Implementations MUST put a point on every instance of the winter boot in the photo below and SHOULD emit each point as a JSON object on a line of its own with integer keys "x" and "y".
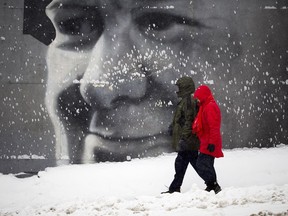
{"x": 214, "y": 186}
{"x": 209, "y": 188}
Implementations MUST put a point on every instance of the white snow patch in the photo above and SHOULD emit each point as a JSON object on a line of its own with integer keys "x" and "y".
{"x": 252, "y": 180}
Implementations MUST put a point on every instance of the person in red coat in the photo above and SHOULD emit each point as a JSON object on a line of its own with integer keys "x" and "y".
{"x": 207, "y": 127}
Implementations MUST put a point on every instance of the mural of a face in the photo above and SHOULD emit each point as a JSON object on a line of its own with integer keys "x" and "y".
{"x": 113, "y": 66}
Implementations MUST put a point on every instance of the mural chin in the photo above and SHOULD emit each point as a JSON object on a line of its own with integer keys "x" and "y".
{"x": 99, "y": 149}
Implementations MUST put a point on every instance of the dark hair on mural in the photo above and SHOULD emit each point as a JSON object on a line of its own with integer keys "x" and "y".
{"x": 36, "y": 23}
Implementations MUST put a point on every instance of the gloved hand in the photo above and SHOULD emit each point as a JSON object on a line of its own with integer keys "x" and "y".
{"x": 182, "y": 145}
{"x": 211, "y": 147}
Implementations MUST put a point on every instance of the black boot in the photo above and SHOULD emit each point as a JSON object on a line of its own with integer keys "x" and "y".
{"x": 209, "y": 188}
{"x": 171, "y": 191}
{"x": 214, "y": 186}
{"x": 217, "y": 188}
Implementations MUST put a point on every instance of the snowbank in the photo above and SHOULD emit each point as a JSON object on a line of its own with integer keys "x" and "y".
{"x": 254, "y": 181}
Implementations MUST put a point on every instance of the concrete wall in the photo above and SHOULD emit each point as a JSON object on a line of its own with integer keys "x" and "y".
{"x": 245, "y": 62}
{"x": 25, "y": 129}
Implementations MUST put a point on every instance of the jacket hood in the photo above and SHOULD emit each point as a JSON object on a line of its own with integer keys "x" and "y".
{"x": 202, "y": 93}
{"x": 185, "y": 85}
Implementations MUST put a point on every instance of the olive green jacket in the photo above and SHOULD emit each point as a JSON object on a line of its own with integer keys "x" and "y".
{"x": 182, "y": 124}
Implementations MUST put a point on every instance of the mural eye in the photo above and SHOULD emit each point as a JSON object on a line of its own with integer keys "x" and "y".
{"x": 70, "y": 26}
{"x": 155, "y": 21}
{"x": 80, "y": 26}
{"x": 166, "y": 27}
{"x": 164, "y": 22}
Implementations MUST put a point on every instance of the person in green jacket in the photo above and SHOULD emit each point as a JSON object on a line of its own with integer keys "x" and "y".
{"x": 183, "y": 141}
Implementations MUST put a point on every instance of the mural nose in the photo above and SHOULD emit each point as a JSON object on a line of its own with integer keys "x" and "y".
{"x": 114, "y": 74}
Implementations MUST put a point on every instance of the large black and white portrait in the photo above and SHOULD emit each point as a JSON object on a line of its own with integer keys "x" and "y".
{"x": 111, "y": 68}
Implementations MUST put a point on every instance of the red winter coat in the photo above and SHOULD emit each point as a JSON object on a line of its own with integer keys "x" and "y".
{"x": 208, "y": 121}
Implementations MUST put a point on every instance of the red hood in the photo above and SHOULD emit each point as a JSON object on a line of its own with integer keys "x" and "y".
{"x": 202, "y": 93}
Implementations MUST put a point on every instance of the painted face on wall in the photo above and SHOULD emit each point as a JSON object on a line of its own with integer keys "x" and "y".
{"x": 112, "y": 69}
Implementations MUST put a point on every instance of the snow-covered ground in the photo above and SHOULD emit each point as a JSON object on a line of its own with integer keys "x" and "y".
{"x": 254, "y": 182}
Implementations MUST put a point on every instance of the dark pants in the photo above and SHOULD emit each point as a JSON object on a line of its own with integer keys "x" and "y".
{"x": 181, "y": 163}
{"x": 206, "y": 170}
